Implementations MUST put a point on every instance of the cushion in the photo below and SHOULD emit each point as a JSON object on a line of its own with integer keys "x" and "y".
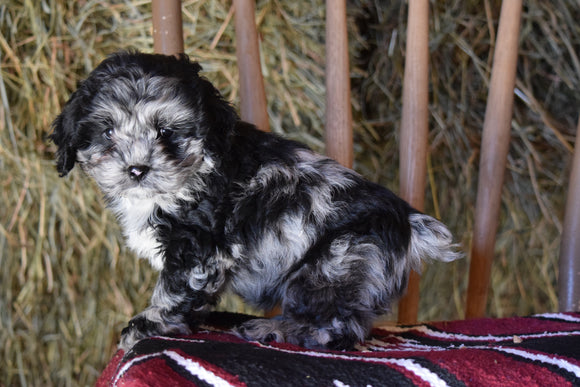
{"x": 542, "y": 350}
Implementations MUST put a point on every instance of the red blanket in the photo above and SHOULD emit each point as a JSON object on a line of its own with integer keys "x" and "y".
{"x": 541, "y": 350}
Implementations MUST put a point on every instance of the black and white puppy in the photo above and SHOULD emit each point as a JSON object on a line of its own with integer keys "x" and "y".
{"x": 215, "y": 204}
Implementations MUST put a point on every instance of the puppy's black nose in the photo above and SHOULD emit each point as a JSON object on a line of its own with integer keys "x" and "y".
{"x": 137, "y": 172}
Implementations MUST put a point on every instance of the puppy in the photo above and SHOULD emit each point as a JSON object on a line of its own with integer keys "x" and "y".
{"x": 215, "y": 204}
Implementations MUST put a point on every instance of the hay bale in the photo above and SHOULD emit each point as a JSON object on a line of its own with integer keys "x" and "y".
{"x": 462, "y": 38}
{"x": 68, "y": 283}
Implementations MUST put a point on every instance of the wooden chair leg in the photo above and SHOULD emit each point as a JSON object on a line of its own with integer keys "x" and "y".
{"x": 494, "y": 149}
{"x": 252, "y": 95}
{"x": 253, "y": 107}
{"x": 338, "y": 130}
{"x": 569, "y": 276}
{"x": 414, "y": 132}
{"x": 167, "y": 27}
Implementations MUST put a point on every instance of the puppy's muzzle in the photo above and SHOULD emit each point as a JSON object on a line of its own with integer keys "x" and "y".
{"x": 138, "y": 172}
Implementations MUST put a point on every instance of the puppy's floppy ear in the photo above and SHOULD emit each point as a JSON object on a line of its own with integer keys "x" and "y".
{"x": 221, "y": 114}
{"x": 67, "y": 130}
{"x": 65, "y": 133}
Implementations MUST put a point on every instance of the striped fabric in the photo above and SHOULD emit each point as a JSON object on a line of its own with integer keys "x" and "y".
{"x": 540, "y": 350}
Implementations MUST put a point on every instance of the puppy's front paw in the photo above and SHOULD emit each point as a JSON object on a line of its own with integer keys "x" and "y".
{"x": 138, "y": 328}
{"x": 150, "y": 323}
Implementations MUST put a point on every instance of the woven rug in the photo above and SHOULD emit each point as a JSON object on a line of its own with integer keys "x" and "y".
{"x": 540, "y": 350}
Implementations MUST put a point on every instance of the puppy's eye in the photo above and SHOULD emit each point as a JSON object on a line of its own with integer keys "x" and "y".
{"x": 108, "y": 134}
{"x": 165, "y": 133}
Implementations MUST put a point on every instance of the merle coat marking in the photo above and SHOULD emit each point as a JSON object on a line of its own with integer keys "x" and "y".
{"x": 215, "y": 204}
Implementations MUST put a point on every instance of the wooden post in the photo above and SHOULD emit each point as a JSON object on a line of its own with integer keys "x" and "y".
{"x": 414, "y": 132}
{"x": 569, "y": 278}
{"x": 167, "y": 27}
{"x": 494, "y": 150}
{"x": 338, "y": 133}
{"x": 252, "y": 95}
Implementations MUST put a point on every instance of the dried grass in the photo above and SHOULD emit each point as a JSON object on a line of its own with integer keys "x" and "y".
{"x": 68, "y": 285}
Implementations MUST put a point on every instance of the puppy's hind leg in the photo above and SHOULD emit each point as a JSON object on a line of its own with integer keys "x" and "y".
{"x": 311, "y": 323}
{"x": 288, "y": 330}
{"x": 331, "y": 302}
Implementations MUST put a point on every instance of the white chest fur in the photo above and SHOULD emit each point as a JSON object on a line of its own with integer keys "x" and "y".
{"x": 135, "y": 215}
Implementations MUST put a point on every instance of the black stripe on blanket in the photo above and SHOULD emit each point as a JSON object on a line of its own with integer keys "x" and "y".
{"x": 257, "y": 365}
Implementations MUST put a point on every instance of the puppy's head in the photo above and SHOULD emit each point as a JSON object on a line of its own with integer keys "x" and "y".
{"x": 143, "y": 124}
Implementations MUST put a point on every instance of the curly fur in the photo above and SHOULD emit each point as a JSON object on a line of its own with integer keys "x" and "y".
{"x": 215, "y": 204}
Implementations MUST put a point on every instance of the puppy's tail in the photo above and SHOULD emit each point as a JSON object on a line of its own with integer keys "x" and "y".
{"x": 430, "y": 240}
